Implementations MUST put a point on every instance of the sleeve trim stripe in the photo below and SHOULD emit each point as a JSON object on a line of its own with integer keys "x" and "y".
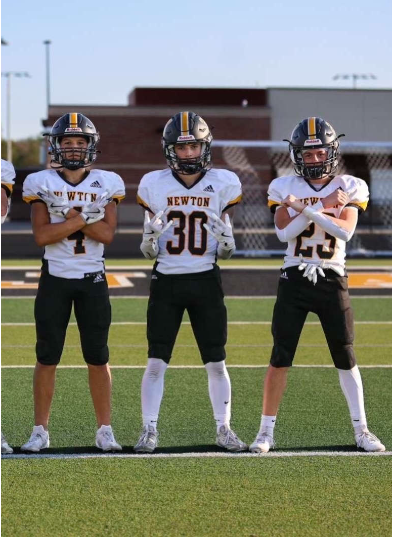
{"x": 229, "y": 206}
{"x": 361, "y": 205}
{"x": 30, "y": 199}
{"x": 142, "y": 203}
{"x": 117, "y": 199}
{"x": 7, "y": 190}
{"x": 273, "y": 203}
{"x": 235, "y": 201}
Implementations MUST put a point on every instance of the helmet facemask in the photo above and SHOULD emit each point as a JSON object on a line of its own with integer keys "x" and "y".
{"x": 188, "y": 166}
{"x": 80, "y": 157}
{"x": 315, "y": 171}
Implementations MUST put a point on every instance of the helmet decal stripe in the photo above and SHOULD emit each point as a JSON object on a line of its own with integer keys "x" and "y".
{"x": 73, "y": 119}
{"x": 312, "y": 127}
{"x": 184, "y": 123}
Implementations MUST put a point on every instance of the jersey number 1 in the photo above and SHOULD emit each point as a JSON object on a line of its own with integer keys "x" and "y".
{"x": 78, "y": 237}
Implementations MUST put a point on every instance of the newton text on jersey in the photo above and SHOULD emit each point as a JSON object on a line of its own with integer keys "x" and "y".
{"x": 185, "y": 200}
{"x": 78, "y": 195}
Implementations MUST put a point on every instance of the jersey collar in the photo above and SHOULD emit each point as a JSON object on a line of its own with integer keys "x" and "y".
{"x": 322, "y": 186}
{"x": 73, "y": 184}
{"x": 188, "y": 186}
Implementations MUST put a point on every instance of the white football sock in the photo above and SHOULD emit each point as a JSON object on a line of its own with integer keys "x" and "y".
{"x": 219, "y": 392}
{"x": 352, "y": 387}
{"x": 268, "y": 424}
{"x": 152, "y": 390}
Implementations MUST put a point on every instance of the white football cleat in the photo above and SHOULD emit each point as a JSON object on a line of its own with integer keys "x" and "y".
{"x": 105, "y": 439}
{"x": 227, "y": 439}
{"x": 148, "y": 440}
{"x": 38, "y": 440}
{"x": 5, "y": 448}
{"x": 367, "y": 441}
{"x": 262, "y": 444}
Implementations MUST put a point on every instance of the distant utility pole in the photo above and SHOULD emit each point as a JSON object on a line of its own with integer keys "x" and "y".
{"x": 47, "y": 44}
{"x": 354, "y": 77}
{"x": 8, "y": 75}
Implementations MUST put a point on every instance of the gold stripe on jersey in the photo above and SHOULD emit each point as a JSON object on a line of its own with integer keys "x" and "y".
{"x": 272, "y": 203}
{"x": 311, "y": 127}
{"x": 117, "y": 198}
{"x": 184, "y": 124}
{"x": 235, "y": 201}
{"x": 29, "y": 199}
{"x": 9, "y": 186}
{"x": 73, "y": 119}
{"x": 141, "y": 202}
{"x": 362, "y": 205}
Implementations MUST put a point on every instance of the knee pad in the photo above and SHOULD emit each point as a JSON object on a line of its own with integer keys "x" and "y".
{"x": 97, "y": 357}
{"x": 281, "y": 357}
{"x": 344, "y": 357}
{"x": 155, "y": 368}
{"x": 217, "y": 369}
{"x": 47, "y": 355}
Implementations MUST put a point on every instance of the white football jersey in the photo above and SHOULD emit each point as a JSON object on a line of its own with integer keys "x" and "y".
{"x": 187, "y": 247}
{"x": 76, "y": 255}
{"x": 314, "y": 243}
{"x": 7, "y": 175}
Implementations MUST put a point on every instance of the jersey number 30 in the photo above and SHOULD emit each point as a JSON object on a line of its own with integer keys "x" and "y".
{"x": 179, "y": 231}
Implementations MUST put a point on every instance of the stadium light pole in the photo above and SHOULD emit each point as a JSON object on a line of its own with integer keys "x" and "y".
{"x": 8, "y": 75}
{"x": 47, "y": 44}
{"x": 354, "y": 77}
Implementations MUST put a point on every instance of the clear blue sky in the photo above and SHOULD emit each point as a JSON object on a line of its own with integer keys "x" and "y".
{"x": 101, "y": 50}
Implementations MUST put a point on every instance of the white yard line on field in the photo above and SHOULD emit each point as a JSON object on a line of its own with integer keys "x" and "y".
{"x": 261, "y": 345}
{"x": 273, "y": 454}
{"x": 113, "y": 297}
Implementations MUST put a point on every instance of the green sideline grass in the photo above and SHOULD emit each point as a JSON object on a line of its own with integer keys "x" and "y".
{"x": 298, "y": 496}
{"x": 258, "y": 309}
{"x": 233, "y": 262}
{"x": 301, "y": 496}
{"x": 187, "y": 498}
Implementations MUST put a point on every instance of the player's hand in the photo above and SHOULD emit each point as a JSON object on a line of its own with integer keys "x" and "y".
{"x": 292, "y": 202}
{"x": 311, "y": 270}
{"x": 155, "y": 227}
{"x": 221, "y": 231}
{"x": 336, "y": 198}
{"x": 57, "y": 205}
{"x": 94, "y": 211}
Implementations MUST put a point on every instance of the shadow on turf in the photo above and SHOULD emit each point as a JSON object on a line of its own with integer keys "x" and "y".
{"x": 187, "y": 449}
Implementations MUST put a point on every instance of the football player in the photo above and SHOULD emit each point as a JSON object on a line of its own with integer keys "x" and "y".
{"x": 316, "y": 212}
{"x": 188, "y": 210}
{"x": 7, "y": 183}
{"x": 73, "y": 212}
